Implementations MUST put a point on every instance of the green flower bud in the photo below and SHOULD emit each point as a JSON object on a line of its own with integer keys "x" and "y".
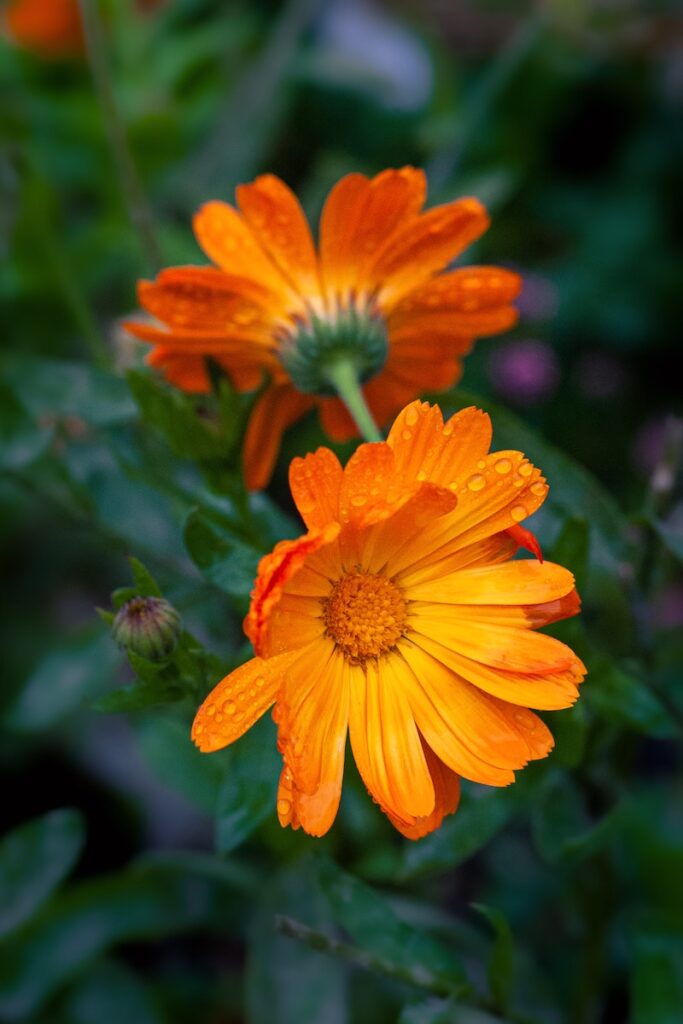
{"x": 354, "y": 336}
{"x": 148, "y": 626}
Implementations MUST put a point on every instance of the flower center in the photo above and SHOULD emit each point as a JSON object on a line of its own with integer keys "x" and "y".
{"x": 365, "y": 615}
{"x": 354, "y": 334}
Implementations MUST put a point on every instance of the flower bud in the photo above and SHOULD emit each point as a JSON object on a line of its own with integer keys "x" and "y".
{"x": 148, "y": 626}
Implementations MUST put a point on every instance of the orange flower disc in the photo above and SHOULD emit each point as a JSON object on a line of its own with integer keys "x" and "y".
{"x": 401, "y": 619}
{"x": 274, "y": 302}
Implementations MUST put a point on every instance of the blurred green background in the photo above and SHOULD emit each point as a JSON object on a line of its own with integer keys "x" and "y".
{"x": 558, "y": 900}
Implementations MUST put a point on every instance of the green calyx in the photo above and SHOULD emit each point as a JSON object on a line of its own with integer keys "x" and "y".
{"x": 147, "y": 626}
{"x": 311, "y": 350}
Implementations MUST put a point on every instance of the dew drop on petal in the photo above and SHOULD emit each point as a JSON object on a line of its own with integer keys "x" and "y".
{"x": 406, "y": 435}
{"x": 503, "y": 466}
{"x": 411, "y": 417}
{"x": 525, "y": 469}
{"x": 538, "y": 489}
{"x": 481, "y": 464}
{"x": 518, "y": 512}
{"x": 229, "y": 707}
{"x": 358, "y": 500}
{"x": 283, "y": 807}
{"x": 476, "y": 482}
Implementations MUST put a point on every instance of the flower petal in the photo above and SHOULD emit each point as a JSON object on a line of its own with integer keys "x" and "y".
{"x": 278, "y": 407}
{"x": 477, "y": 298}
{"x": 446, "y": 799}
{"x": 386, "y": 744}
{"x": 441, "y": 453}
{"x": 274, "y": 215}
{"x": 514, "y": 583}
{"x": 315, "y": 482}
{"x": 238, "y": 701}
{"x": 202, "y": 297}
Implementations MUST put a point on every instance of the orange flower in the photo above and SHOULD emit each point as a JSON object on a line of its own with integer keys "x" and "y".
{"x": 401, "y": 618}
{"x": 373, "y": 294}
{"x": 51, "y": 27}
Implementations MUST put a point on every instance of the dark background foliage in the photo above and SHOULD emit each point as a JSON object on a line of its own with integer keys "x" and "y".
{"x": 557, "y": 901}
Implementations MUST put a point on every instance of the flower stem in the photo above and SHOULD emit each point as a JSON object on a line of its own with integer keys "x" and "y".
{"x": 342, "y": 376}
{"x": 138, "y": 208}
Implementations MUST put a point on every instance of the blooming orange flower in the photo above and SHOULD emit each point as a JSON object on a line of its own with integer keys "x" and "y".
{"x": 401, "y": 618}
{"x": 48, "y": 26}
{"x": 373, "y": 293}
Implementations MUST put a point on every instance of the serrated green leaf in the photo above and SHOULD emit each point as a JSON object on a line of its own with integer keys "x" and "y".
{"x": 249, "y": 789}
{"x": 34, "y": 859}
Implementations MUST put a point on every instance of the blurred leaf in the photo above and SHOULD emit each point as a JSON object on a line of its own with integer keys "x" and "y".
{"x": 560, "y": 824}
{"x": 171, "y": 753}
{"x": 175, "y": 415}
{"x": 621, "y": 697}
{"x": 286, "y": 982}
{"x": 372, "y": 924}
{"x": 144, "y": 902}
{"x": 22, "y": 440}
{"x": 570, "y": 729}
{"x": 34, "y": 859}
{"x": 48, "y": 387}
{"x": 144, "y": 582}
{"x": 501, "y": 964}
{"x": 228, "y": 562}
{"x": 571, "y": 549}
{"x": 248, "y": 793}
{"x": 657, "y": 980}
{"x": 139, "y": 696}
{"x": 64, "y": 681}
{"x": 108, "y": 994}
{"x": 480, "y": 816}
{"x": 671, "y": 535}
{"x": 439, "y": 1011}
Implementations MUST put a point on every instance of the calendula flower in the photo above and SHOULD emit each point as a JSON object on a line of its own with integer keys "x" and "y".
{"x": 370, "y": 306}
{"x": 401, "y": 618}
{"x": 51, "y": 27}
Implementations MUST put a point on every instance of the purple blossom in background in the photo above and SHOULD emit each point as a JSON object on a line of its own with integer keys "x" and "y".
{"x": 525, "y": 372}
{"x": 648, "y": 446}
{"x": 538, "y": 299}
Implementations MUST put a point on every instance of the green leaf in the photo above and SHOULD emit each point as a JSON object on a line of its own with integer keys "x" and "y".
{"x": 34, "y": 859}
{"x": 481, "y": 815}
{"x": 171, "y": 753}
{"x": 22, "y": 440}
{"x": 572, "y": 548}
{"x": 47, "y": 387}
{"x": 440, "y": 1011}
{"x": 65, "y": 680}
{"x": 108, "y": 994}
{"x": 501, "y": 964}
{"x": 176, "y": 416}
{"x": 657, "y": 980}
{"x": 560, "y": 824}
{"x": 619, "y": 696}
{"x": 374, "y": 927}
{"x": 139, "y": 696}
{"x": 274, "y": 961}
{"x": 144, "y": 582}
{"x": 248, "y": 793}
{"x": 230, "y": 563}
{"x": 146, "y": 901}
{"x": 671, "y": 535}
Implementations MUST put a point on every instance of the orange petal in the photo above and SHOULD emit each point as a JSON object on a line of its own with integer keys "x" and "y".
{"x": 467, "y": 292}
{"x": 238, "y": 701}
{"x": 228, "y": 241}
{"x": 447, "y": 797}
{"x": 274, "y": 572}
{"x": 491, "y": 551}
{"x": 277, "y": 408}
{"x": 386, "y": 744}
{"x": 525, "y": 539}
{"x": 186, "y": 372}
{"x": 201, "y": 297}
{"x": 358, "y": 217}
{"x": 53, "y": 28}
{"x": 441, "y": 453}
{"x": 423, "y": 246}
{"x": 514, "y": 583}
{"x": 274, "y": 215}
{"x": 315, "y": 482}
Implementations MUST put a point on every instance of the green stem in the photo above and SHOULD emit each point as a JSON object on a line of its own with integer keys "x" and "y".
{"x": 343, "y": 378}
{"x": 138, "y": 208}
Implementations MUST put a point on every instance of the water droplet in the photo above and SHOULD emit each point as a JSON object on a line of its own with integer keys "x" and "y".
{"x": 476, "y": 482}
{"x": 538, "y": 489}
{"x": 518, "y": 481}
{"x": 411, "y": 416}
{"x": 525, "y": 469}
{"x": 238, "y": 716}
{"x": 229, "y": 707}
{"x": 211, "y": 710}
{"x": 260, "y": 681}
{"x": 358, "y": 500}
{"x": 283, "y": 807}
{"x": 481, "y": 464}
{"x": 219, "y": 717}
{"x": 406, "y": 435}
{"x": 503, "y": 466}
{"x": 448, "y": 429}
{"x": 518, "y": 512}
